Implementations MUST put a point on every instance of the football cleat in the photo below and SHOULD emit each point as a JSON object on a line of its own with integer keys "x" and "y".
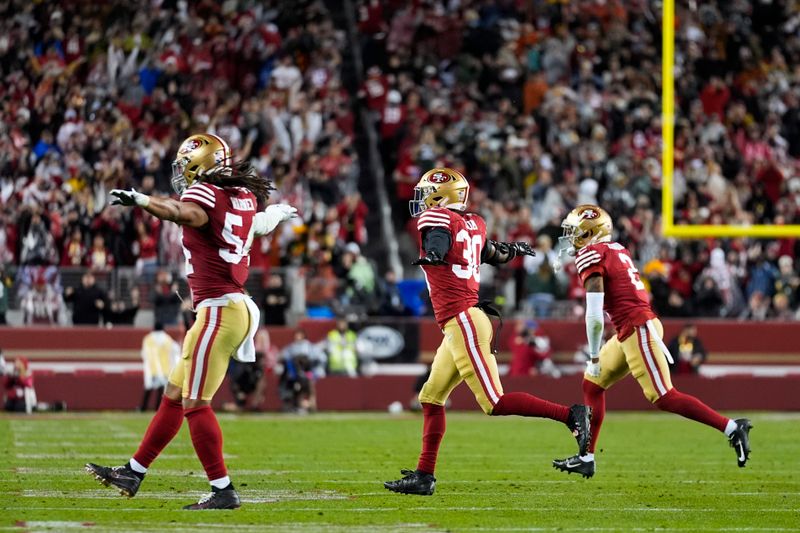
{"x": 740, "y": 440}
{"x": 413, "y": 482}
{"x": 580, "y": 426}
{"x": 119, "y": 477}
{"x": 218, "y": 499}
{"x": 574, "y": 464}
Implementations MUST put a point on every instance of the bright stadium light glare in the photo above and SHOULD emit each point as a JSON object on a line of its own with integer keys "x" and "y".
{"x": 668, "y": 225}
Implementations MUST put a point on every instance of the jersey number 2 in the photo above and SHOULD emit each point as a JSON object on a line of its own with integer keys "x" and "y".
{"x": 632, "y": 272}
{"x": 472, "y": 255}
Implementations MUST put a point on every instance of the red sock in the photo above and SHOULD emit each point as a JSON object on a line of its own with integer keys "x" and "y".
{"x": 675, "y": 401}
{"x": 162, "y": 429}
{"x": 207, "y": 440}
{"x": 595, "y": 397}
{"x": 433, "y": 427}
{"x": 524, "y": 404}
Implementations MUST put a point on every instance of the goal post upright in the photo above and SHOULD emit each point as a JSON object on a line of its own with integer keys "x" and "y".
{"x": 668, "y": 226}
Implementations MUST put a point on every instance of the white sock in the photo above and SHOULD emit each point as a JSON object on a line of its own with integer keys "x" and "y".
{"x": 730, "y": 428}
{"x": 221, "y": 483}
{"x": 136, "y": 466}
{"x": 587, "y": 458}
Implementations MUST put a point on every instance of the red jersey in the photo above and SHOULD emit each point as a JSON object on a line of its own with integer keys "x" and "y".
{"x": 626, "y": 299}
{"x": 218, "y": 254}
{"x": 454, "y": 287}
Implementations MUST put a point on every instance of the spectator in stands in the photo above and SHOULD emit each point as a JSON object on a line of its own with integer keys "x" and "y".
{"x": 160, "y": 353}
{"x": 89, "y": 301}
{"x": 707, "y": 300}
{"x": 37, "y": 244}
{"x": 687, "y": 351}
{"x": 788, "y": 282}
{"x": 120, "y": 312}
{"x": 544, "y": 288}
{"x": 276, "y": 301}
{"x": 390, "y": 301}
{"x": 99, "y": 258}
{"x": 360, "y": 277}
{"x": 531, "y": 352}
{"x": 166, "y": 300}
{"x": 341, "y": 350}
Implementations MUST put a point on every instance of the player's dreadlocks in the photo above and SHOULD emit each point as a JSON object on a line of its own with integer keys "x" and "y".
{"x": 241, "y": 174}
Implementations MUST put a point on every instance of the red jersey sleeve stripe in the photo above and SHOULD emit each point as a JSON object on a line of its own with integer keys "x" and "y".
{"x": 585, "y": 264}
{"x": 587, "y": 257}
{"x": 434, "y": 216}
{"x": 188, "y": 197}
{"x": 203, "y": 190}
{"x": 433, "y": 225}
{"x": 201, "y": 194}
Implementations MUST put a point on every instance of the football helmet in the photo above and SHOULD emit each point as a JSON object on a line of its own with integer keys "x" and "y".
{"x": 198, "y": 154}
{"x": 442, "y": 187}
{"x": 586, "y": 224}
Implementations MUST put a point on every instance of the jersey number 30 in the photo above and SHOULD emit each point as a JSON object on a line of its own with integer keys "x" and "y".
{"x": 472, "y": 255}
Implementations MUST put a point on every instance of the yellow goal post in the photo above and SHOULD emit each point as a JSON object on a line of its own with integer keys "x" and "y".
{"x": 668, "y": 226}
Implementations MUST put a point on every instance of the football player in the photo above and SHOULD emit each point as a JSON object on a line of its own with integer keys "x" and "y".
{"x": 219, "y": 212}
{"x": 612, "y": 284}
{"x": 452, "y": 247}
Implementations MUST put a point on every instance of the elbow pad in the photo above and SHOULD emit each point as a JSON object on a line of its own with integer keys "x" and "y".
{"x": 595, "y": 321}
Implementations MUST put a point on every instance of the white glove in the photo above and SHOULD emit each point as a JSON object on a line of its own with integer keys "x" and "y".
{"x": 268, "y": 219}
{"x": 129, "y": 198}
{"x": 593, "y": 369}
{"x": 281, "y": 212}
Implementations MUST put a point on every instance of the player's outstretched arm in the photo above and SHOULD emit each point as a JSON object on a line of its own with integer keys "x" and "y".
{"x": 183, "y": 213}
{"x": 497, "y": 253}
{"x": 595, "y": 321}
{"x": 268, "y": 219}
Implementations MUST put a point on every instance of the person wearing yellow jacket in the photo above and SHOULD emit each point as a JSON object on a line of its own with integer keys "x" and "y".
{"x": 341, "y": 348}
{"x": 160, "y": 353}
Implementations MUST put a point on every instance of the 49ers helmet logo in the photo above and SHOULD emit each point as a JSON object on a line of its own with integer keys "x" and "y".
{"x": 189, "y": 145}
{"x": 439, "y": 177}
{"x": 589, "y": 214}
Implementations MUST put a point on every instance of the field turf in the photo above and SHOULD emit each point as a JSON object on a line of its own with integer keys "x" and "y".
{"x": 323, "y": 473}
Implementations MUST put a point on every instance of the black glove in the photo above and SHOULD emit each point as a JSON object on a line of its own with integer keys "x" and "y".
{"x": 431, "y": 259}
{"x": 520, "y": 248}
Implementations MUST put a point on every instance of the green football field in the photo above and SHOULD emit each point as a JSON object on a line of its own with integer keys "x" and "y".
{"x": 323, "y": 473}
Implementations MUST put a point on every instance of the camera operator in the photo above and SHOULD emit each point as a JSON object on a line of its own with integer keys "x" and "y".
{"x": 531, "y": 352}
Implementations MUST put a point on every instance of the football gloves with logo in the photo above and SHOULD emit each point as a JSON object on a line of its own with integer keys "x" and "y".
{"x": 431, "y": 259}
{"x": 520, "y": 248}
{"x": 129, "y": 198}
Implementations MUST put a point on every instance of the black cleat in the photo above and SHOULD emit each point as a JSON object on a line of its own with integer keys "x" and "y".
{"x": 740, "y": 440}
{"x": 574, "y": 464}
{"x": 413, "y": 482}
{"x": 218, "y": 499}
{"x": 580, "y": 426}
{"x": 120, "y": 477}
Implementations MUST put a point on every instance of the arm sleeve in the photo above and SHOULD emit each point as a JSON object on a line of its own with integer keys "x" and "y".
{"x": 594, "y": 321}
{"x": 496, "y": 253}
{"x": 263, "y": 225}
{"x": 437, "y": 240}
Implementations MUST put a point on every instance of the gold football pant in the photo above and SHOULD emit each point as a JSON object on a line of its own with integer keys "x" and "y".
{"x": 641, "y": 355}
{"x": 465, "y": 355}
{"x": 207, "y": 348}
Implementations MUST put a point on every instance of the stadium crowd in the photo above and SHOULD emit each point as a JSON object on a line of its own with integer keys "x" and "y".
{"x": 98, "y": 96}
{"x": 543, "y": 105}
{"x": 547, "y": 105}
